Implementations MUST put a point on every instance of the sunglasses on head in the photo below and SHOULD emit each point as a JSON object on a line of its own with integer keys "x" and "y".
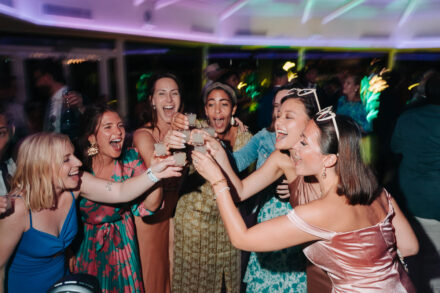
{"x": 304, "y": 92}
{"x": 327, "y": 114}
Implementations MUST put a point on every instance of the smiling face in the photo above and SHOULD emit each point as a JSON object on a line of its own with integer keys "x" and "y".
{"x": 166, "y": 98}
{"x": 68, "y": 173}
{"x": 110, "y": 135}
{"x": 350, "y": 88}
{"x": 219, "y": 110}
{"x": 290, "y": 123}
{"x": 307, "y": 152}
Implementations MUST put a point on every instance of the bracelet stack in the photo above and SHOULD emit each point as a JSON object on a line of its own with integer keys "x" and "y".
{"x": 152, "y": 176}
{"x": 224, "y": 188}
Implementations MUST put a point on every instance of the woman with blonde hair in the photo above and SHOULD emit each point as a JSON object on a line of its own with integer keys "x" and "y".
{"x": 43, "y": 221}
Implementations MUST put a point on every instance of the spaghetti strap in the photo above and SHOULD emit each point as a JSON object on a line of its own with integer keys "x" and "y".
{"x": 302, "y": 225}
{"x": 30, "y": 218}
{"x": 390, "y": 205}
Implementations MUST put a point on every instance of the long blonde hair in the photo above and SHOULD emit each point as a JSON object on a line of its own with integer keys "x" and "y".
{"x": 39, "y": 159}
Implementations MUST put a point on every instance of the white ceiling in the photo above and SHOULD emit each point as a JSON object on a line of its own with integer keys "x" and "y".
{"x": 296, "y": 23}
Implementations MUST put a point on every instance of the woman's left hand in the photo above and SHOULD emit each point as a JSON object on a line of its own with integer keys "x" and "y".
{"x": 165, "y": 168}
{"x": 283, "y": 191}
{"x": 206, "y": 166}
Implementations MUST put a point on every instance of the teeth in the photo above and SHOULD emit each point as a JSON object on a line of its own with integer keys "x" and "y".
{"x": 168, "y": 107}
{"x": 73, "y": 173}
{"x": 282, "y": 132}
{"x": 115, "y": 140}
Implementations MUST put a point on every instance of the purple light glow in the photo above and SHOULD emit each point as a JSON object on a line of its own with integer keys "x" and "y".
{"x": 86, "y": 24}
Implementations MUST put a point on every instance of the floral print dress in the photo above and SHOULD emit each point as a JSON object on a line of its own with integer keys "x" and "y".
{"x": 109, "y": 247}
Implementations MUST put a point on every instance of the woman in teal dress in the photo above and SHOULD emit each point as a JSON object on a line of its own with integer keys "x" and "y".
{"x": 109, "y": 247}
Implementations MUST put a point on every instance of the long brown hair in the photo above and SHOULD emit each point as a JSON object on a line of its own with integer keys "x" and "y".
{"x": 357, "y": 181}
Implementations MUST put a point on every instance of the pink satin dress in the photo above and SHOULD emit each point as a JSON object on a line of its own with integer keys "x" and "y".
{"x": 359, "y": 261}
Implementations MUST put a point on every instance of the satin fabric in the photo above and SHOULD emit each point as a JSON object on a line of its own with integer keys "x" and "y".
{"x": 359, "y": 261}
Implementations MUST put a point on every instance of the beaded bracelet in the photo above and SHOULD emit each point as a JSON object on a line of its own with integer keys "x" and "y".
{"x": 221, "y": 190}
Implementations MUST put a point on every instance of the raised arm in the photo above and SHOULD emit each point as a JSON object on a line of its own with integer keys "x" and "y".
{"x": 406, "y": 239}
{"x": 275, "y": 166}
{"x": 12, "y": 228}
{"x": 100, "y": 190}
{"x": 144, "y": 143}
{"x": 271, "y": 235}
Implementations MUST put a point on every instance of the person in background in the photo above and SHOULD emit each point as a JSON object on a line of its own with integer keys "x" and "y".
{"x": 359, "y": 246}
{"x": 416, "y": 138}
{"x": 13, "y": 109}
{"x": 7, "y": 165}
{"x": 350, "y": 104}
{"x": 43, "y": 220}
{"x": 155, "y": 233}
{"x": 49, "y": 79}
{"x": 279, "y": 78}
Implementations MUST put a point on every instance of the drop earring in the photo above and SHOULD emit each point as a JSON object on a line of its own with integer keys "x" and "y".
{"x": 93, "y": 150}
{"x": 232, "y": 121}
{"x": 324, "y": 173}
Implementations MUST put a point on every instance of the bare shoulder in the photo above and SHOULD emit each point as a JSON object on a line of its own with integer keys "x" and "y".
{"x": 143, "y": 136}
{"x": 314, "y": 213}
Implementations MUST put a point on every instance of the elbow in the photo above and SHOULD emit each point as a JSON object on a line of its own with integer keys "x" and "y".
{"x": 410, "y": 250}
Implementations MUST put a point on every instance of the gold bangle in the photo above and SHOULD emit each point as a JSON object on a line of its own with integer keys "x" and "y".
{"x": 221, "y": 190}
{"x": 218, "y": 182}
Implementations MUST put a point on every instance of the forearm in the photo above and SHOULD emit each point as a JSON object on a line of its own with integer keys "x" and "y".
{"x": 97, "y": 189}
{"x": 232, "y": 219}
{"x": 154, "y": 199}
{"x": 234, "y": 179}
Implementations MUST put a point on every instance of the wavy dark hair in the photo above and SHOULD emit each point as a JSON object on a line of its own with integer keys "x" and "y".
{"x": 149, "y": 115}
{"x": 357, "y": 181}
{"x": 89, "y": 124}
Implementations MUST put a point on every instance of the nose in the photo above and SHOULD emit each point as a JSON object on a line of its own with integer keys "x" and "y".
{"x": 77, "y": 162}
{"x": 169, "y": 98}
{"x": 217, "y": 108}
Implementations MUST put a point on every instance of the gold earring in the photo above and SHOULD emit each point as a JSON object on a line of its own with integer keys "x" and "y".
{"x": 93, "y": 150}
{"x": 324, "y": 173}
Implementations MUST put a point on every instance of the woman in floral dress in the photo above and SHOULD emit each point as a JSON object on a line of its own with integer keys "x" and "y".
{"x": 109, "y": 247}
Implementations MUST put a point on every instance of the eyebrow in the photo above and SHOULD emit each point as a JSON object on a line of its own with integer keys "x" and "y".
{"x": 3, "y": 127}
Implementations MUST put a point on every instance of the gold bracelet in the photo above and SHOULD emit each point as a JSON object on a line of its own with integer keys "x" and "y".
{"x": 218, "y": 182}
{"x": 221, "y": 190}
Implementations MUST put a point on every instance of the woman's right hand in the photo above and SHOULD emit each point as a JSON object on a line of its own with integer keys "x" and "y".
{"x": 179, "y": 121}
{"x": 165, "y": 168}
{"x": 207, "y": 167}
{"x": 174, "y": 139}
{"x": 6, "y": 203}
{"x": 216, "y": 150}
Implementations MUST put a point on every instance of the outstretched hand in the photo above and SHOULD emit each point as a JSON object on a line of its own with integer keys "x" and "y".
{"x": 179, "y": 121}
{"x": 216, "y": 150}
{"x": 206, "y": 166}
{"x": 165, "y": 168}
{"x": 174, "y": 139}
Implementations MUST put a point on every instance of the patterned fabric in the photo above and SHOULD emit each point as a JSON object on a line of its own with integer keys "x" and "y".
{"x": 109, "y": 248}
{"x": 278, "y": 271}
{"x": 203, "y": 254}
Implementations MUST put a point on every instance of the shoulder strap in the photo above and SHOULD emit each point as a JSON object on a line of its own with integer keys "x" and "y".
{"x": 30, "y": 218}
{"x": 302, "y": 225}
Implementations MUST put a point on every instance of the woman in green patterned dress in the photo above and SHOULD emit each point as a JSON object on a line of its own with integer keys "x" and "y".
{"x": 204, "y": 259}
{"x": 109, "y": 247}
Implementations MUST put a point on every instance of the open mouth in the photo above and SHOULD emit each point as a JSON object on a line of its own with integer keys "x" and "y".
{"x": 74, "y": 173}
{"x": 280, "y": 134}
{"x": 219, "y": 123}
{"x": 116, "y": 144}
{"x": 169, "y": 110}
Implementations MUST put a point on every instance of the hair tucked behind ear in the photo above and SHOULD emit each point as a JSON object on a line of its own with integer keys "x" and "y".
{"x": 356, "y": 180}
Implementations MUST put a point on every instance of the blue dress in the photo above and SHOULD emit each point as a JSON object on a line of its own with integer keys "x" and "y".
{"x": 39, "y": 260}
{"x": 278, "y": 271}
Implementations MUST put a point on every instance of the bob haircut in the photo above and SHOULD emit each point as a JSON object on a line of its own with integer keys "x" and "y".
{"x": 356, "y": 180}
{"x": 39, "y": 160}
{"x": 149, "y": 115}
